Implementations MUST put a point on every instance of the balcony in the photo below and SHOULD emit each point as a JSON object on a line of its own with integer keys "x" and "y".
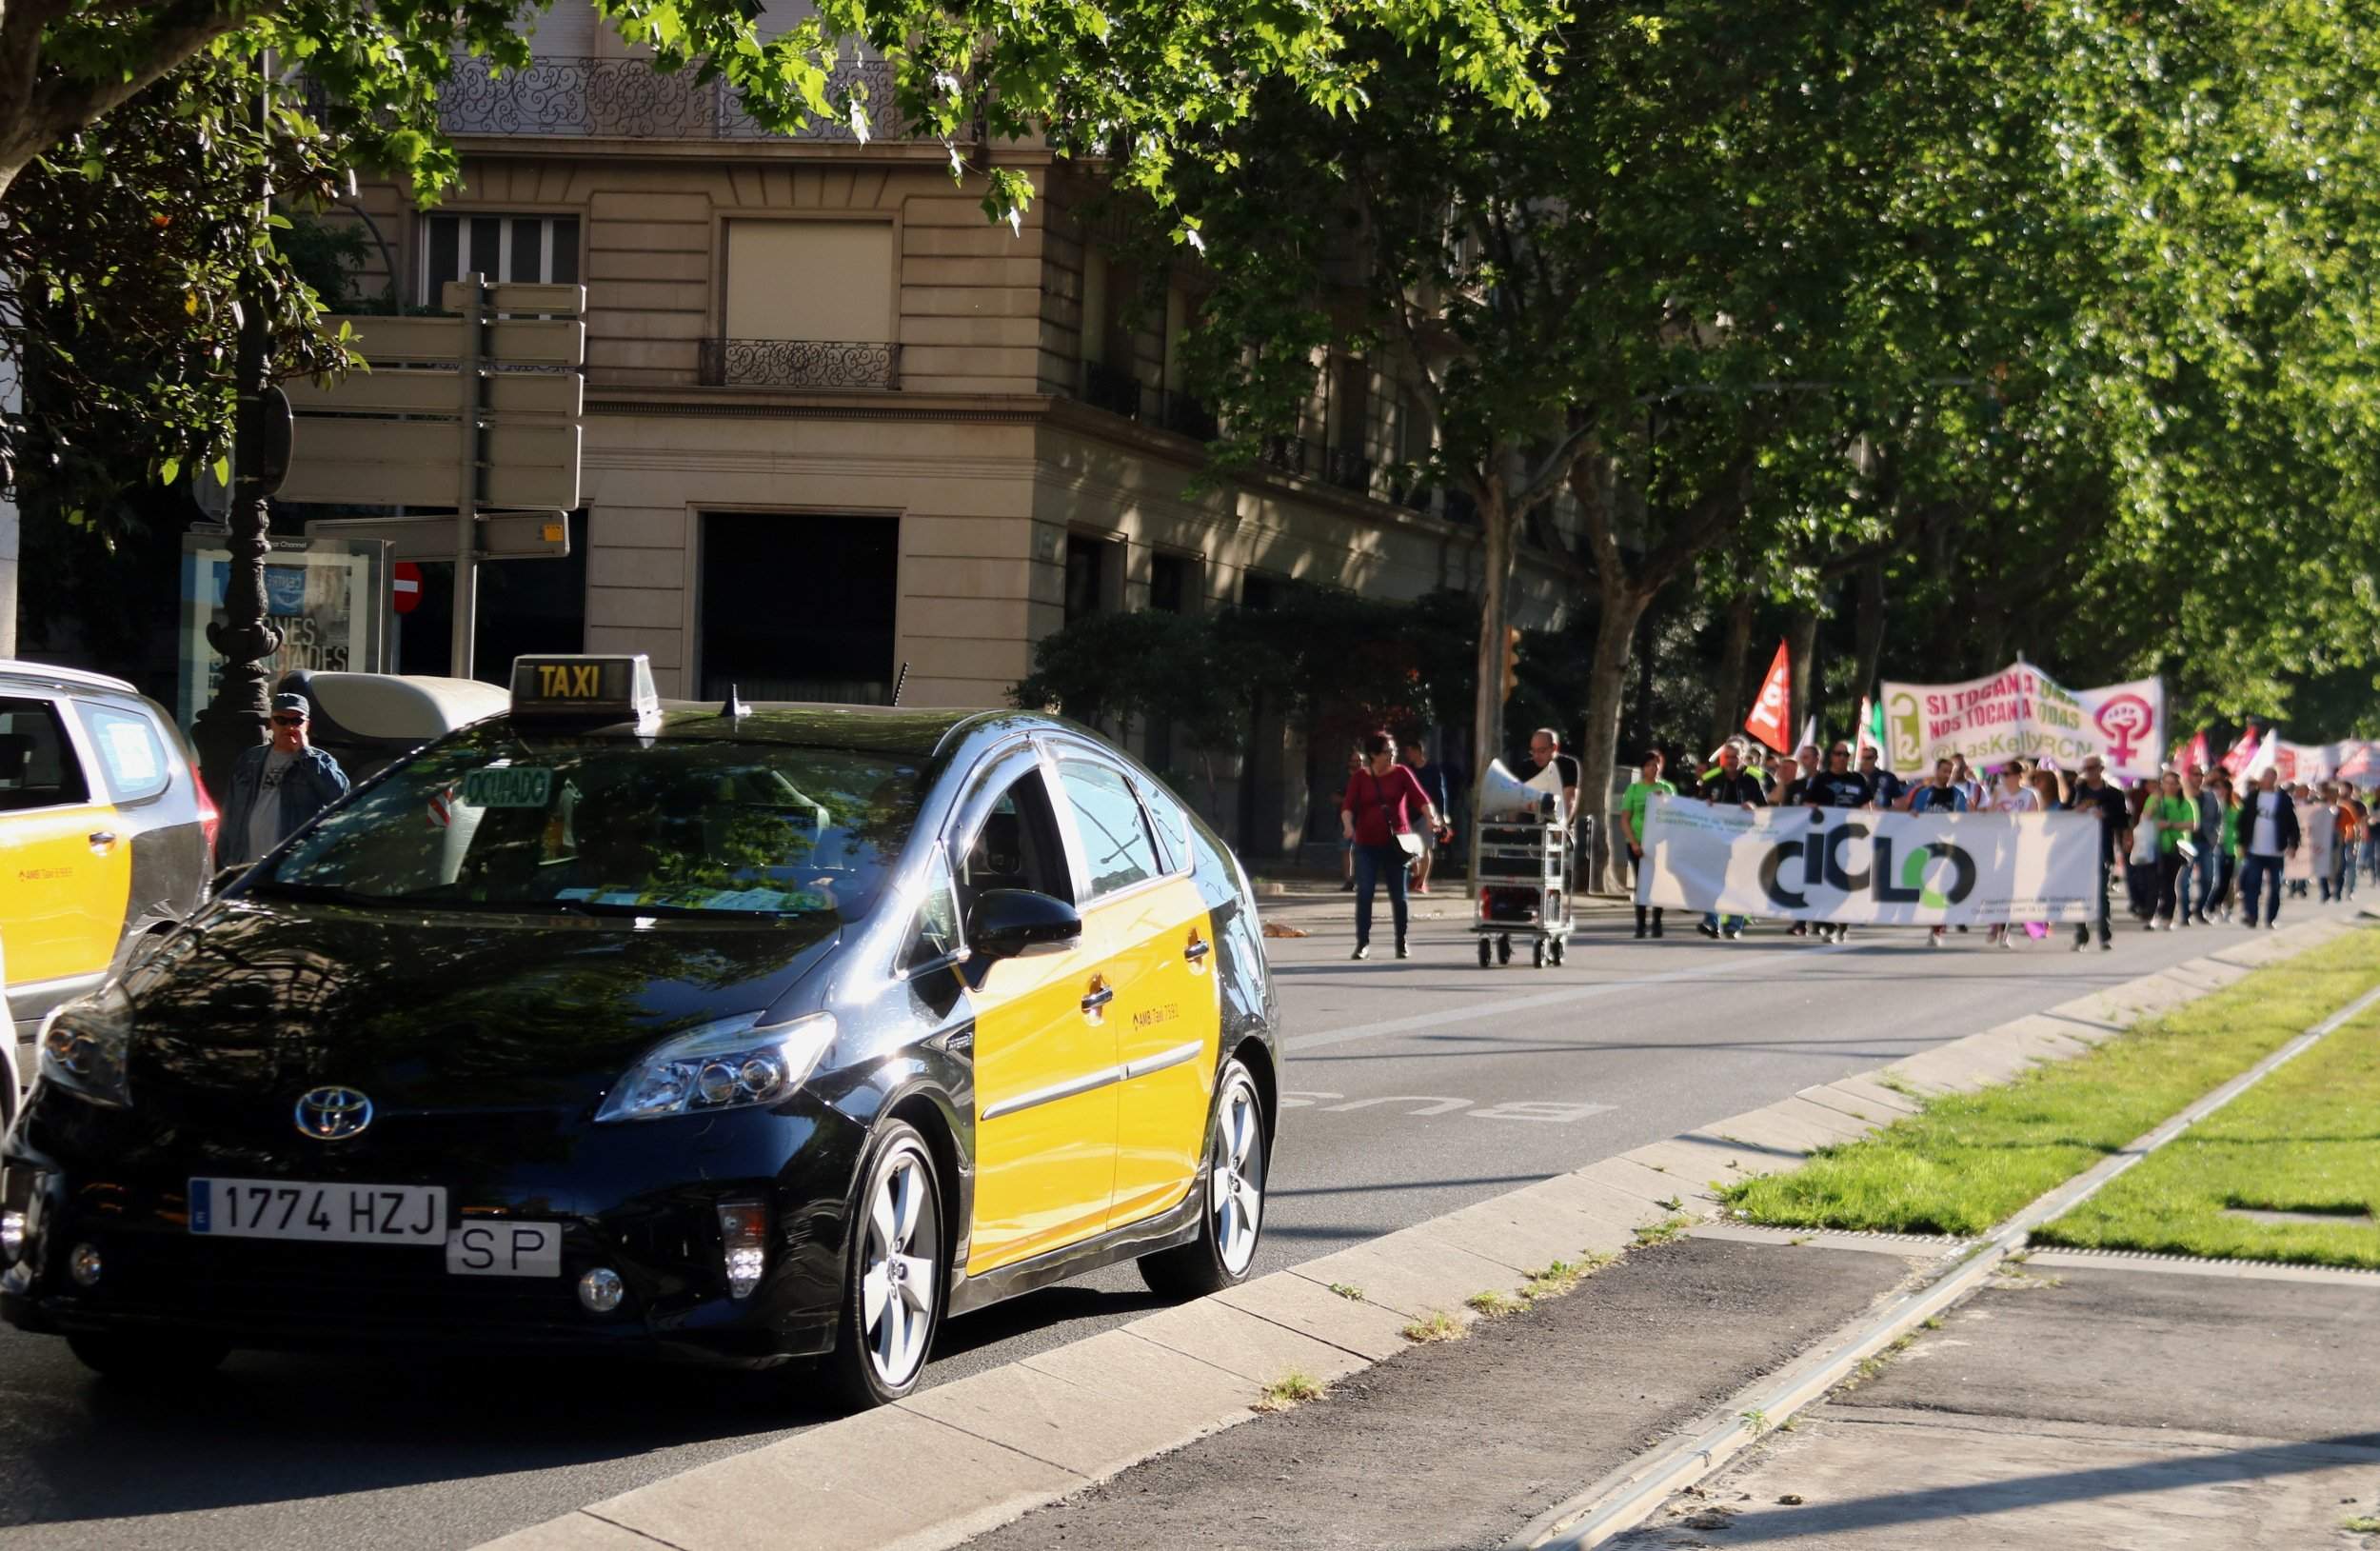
{"x": 1110, "y": 389}
{"x": 629, "y": 99}
{"x": 818, "y": 365}
{"x": 1186, "y": 416}
{"x": 1347, "y": 470}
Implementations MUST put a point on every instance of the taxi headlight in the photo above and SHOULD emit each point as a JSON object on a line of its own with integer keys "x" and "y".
{"x": 730, "y": 1064}
{"x": 85, "y": 1045}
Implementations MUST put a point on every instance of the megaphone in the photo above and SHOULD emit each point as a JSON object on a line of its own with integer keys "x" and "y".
{"x": 1504, "y": 798}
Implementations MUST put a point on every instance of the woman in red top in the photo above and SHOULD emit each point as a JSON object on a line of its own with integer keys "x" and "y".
{"x": 1381, "y": 803}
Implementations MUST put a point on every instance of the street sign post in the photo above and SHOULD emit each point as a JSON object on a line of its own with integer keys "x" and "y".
{"x": 476, "y": 410}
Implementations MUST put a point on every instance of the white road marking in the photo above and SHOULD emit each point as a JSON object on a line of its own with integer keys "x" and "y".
{"x": 1433, "y": 1104}
{"x": 1507, "y": 1006}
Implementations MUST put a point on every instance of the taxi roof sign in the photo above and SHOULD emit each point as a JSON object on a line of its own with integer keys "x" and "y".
{"x": 584, "y": 686}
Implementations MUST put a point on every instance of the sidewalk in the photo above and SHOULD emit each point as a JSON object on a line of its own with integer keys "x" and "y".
{"x": 2111, "y": 1403}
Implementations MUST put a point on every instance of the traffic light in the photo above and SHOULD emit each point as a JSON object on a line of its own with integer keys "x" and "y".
{"x": 1511, "y": 661}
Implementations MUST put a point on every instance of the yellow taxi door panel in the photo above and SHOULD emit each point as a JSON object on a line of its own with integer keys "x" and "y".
{"x": 66, "y": 860}
{"x": 1166, "y": 1046}
{"x": 1045, "y": 1105}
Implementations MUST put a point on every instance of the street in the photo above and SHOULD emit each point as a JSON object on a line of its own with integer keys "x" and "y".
{"x": 1416, "y": 1087}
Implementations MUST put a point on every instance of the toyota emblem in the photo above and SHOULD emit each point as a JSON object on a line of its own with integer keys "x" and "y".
{"x": 333, "y": 1114}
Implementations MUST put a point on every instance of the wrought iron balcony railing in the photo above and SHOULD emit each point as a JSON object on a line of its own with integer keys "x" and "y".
{"x": 629, "y": 99}
{"x": 1347, "y": 470}
{"x": 1110, "y": 389}
{"x": 817, "y": 365}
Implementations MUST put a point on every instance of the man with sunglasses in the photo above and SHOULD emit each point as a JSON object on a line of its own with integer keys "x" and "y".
{"x": 277, "y": 786}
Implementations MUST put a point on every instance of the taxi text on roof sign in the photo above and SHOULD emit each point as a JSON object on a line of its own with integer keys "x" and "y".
{"x": 580, "y": 685}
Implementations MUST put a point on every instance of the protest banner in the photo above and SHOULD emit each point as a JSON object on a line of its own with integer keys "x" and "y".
{"x": 2021, "y": 712}
{"x": 1853, "y": 866}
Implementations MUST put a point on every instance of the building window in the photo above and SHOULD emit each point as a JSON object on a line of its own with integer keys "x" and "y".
{"x": 540, "y": 248}
{"x": 799, "y": 606}
{"x": 1257, "y": 590}
{"x": 1086, "y": 576}
{"x": 1172, "y": 583}
{"x": 809, "y": 304}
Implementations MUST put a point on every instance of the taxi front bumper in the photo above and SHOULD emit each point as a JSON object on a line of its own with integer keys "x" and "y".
{"x": 623, "y": 1197}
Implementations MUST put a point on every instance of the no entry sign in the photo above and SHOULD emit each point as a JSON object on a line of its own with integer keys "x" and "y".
{"x": 405, "y": 581}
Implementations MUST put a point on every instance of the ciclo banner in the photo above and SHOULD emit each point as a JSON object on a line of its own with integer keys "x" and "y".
{"x": 2021, "y": 712}
{"x": 1882, "y": 868}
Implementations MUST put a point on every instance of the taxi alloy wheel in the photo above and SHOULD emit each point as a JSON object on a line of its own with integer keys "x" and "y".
{"x": 1234, "y": 1218}
{"x": 896, "y": 1280}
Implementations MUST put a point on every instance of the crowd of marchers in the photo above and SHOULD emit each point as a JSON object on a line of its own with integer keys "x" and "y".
{"x": 2195, "y": 846}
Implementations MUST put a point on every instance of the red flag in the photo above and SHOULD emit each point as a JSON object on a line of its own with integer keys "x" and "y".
{"x": 2199, "y": 756}
{"x": 1772, "y": 712}
{"x": 2242, "y": 754}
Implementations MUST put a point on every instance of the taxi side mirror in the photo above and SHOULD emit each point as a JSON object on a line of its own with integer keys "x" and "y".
{"x": 1019, "y": 922}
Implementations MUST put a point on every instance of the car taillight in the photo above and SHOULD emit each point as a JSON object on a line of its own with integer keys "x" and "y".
{"x": 210, "y": 821}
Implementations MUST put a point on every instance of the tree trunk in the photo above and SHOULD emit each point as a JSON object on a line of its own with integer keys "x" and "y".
{"x": 1487, "y": 720}
{"x": 1727, "y": 692}
{"x": 1801, "y": 643}
{"x": 1638, "y": 735}
{"x": 1868, "y": 628}
{"x": 1598, "y": 746}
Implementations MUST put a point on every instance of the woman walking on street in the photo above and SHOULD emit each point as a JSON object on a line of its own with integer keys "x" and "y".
{"x": 1377, "y": 814}
{"x": 1640, "y": 792}
{"x": 2172, "y": 817}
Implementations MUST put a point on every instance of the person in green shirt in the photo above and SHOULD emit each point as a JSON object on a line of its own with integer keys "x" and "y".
{"x": 1647, "y": 785}
{"x": 2174, "y": 817}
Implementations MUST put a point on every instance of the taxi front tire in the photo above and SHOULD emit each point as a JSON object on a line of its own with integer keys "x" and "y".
{"x": 1225, "y": 1250}
{"x": 896, "y": 1283}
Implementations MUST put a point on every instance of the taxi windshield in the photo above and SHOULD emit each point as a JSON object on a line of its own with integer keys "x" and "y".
{"x": 602, "y": 825}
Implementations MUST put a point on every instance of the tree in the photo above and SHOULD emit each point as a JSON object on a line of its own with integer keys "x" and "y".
{"x": 1741, "y": 240}
{"x": 1131, "y": 81}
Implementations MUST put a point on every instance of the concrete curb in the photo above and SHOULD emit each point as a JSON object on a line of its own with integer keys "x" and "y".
{"x": 1016, "y": 1438}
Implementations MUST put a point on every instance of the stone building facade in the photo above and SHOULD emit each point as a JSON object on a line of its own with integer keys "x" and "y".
{"x": 839, "y": 423}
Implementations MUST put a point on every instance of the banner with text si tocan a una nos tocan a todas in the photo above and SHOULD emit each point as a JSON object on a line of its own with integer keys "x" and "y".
{"x": 1851, "y": 867}
{"x": 2021, "y": 712}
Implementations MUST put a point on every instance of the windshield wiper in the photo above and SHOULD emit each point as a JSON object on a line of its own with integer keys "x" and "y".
{"x": 336, "y": 894}
{"x": 614, "y": 908}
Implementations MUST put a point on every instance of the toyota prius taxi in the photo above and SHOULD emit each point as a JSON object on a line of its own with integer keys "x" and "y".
{"x": 731, "y": 1033}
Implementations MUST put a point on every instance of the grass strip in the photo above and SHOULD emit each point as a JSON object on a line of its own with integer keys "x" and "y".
{"x": 1967, "y": 1161}
{"x": 2307, "y": 1138}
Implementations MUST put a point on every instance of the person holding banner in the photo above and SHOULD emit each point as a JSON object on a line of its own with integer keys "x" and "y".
{"x": 1640, "y": 792}
{"x": 1886, "y": 790}
{"x": 2268, "y": 832}
{"x": 2094, "y": 795}
{"x": 1840, "y": 787}
{"x": 2011, "y": 796}
{"x": 1943, "y": 794}
{"x": 1730, "y": 783}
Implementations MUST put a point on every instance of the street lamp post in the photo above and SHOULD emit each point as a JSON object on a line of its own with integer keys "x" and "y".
{"x": 236, "y": 718}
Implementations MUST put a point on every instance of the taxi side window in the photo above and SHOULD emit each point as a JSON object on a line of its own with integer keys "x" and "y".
{"x": 1017, "y": 846}
{"x": 130, "y": 750}
{"x": 1173, "y": 824}
{"x": 1116, "y": 842}
{"x": 37, "y": 764}
{"x": 934, "y": 934}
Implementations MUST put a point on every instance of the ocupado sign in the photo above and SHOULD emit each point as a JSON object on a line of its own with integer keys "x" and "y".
{"x": 2021, "y": 712}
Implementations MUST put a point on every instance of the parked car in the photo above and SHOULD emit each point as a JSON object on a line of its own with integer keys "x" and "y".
{"x": 734, "y": 1034}
{"x": 106, "y": 834}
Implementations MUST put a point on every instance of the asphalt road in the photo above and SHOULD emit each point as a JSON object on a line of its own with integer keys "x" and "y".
{"x": 1419, "y": 1088}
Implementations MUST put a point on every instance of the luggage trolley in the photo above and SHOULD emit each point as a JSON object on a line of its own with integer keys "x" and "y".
{"x": 1524, "y": 884}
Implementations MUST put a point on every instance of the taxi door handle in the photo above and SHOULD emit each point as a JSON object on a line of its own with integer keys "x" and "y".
{"x": 101, "y": 839}
{"x": 1099, "y": 996}
{"x": 1197, "y": 950}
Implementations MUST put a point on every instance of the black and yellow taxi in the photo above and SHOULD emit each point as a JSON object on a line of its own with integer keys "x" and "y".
{"x": 735, "y": 1033}
{"x": 105, "y": 835}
